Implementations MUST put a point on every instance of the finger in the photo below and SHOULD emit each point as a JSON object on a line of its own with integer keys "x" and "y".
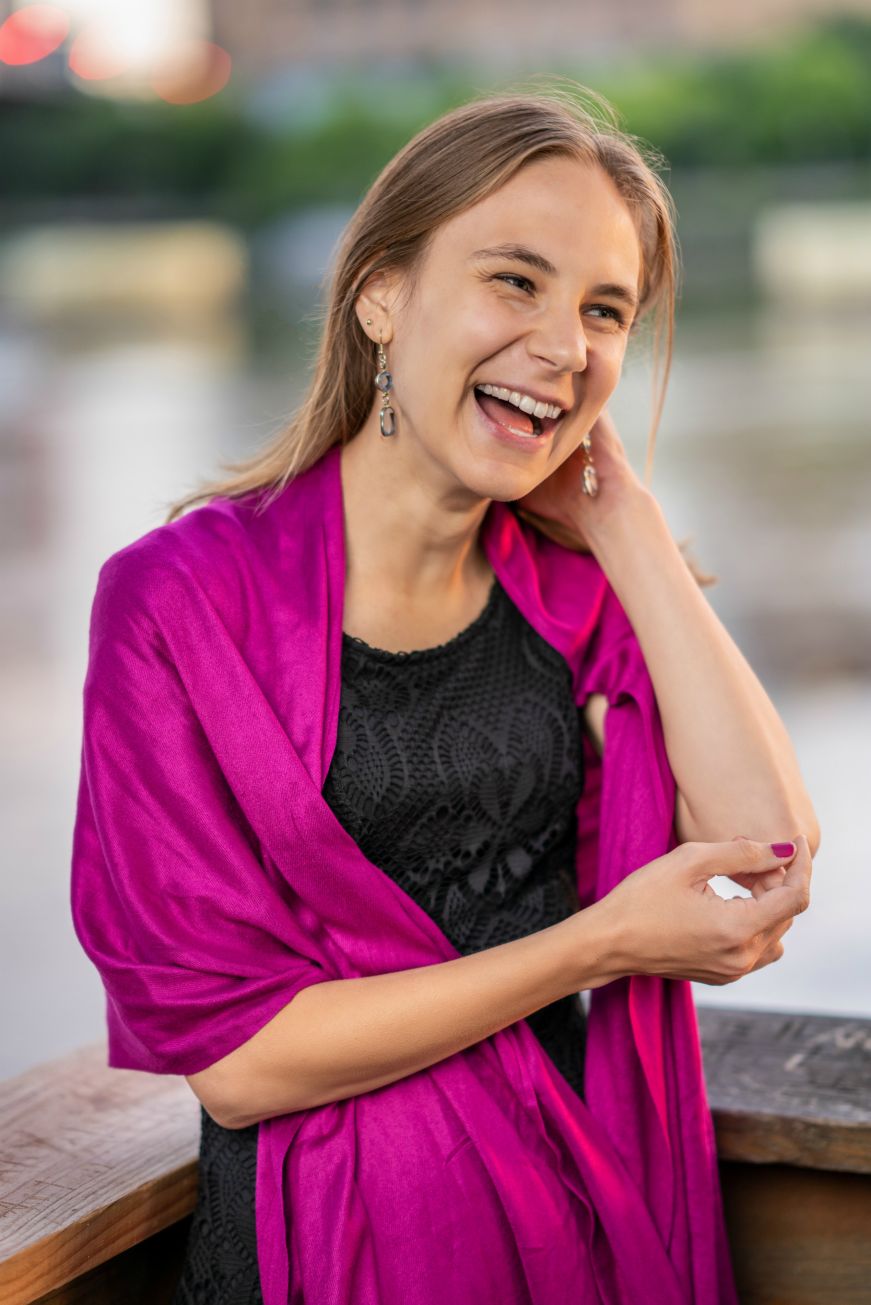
{"x": 772, "y": 935}
{"x": 739, "y": 856}
{"x": 769, "y": 956}
{"x": 782, "y": 928}
{"x": 792, "y": 897}
{"x": 765, "y": 882}
{"x": 758, "y": 884}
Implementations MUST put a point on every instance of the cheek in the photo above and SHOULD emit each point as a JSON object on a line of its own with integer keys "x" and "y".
{"x": 610, "y": 361}
{"x": 483, "y": 328}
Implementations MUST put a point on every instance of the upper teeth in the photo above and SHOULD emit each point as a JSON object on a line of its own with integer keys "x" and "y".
{"x": 524, "y": 402}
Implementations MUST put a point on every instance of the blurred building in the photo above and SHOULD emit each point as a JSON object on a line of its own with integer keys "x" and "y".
{"x": 266, "y": 34}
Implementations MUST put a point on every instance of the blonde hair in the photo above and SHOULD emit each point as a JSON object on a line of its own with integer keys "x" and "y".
{"x": 463, "y": 156}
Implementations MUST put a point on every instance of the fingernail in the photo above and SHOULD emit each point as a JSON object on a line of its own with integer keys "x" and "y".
{"x": 783, "y": 849}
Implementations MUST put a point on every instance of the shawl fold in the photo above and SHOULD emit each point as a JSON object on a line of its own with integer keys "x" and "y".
{"x": 211, "y": 882}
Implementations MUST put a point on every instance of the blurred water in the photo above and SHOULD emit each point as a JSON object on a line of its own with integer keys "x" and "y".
{"x": 764, "y": 456}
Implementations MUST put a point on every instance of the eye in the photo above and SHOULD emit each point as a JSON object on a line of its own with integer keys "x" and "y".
{"x": 524, "y": 283}
{"x": 511, "y": 276}
{"x": 614, "y": 313}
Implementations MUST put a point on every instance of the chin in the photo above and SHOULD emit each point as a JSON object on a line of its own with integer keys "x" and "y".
{"x": 505, "y": 484}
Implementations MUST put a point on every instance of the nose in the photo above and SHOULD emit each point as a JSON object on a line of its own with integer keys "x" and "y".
{"x": 561, "y": 341}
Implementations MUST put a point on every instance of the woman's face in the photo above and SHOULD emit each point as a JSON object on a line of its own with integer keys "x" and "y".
{"x": 547, "y": 317}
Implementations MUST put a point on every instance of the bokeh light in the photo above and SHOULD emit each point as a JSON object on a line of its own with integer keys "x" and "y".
{"x": 32, "y": 33}
{"x": 94, "y": 56}
{"x": 192, "y": 72}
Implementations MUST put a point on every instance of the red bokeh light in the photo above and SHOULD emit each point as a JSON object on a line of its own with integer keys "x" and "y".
{"x": 30, "y": 34}
{"x": 197, "y": 70}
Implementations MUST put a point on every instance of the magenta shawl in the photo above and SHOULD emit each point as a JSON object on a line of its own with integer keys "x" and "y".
{"x": 211, "y": 882}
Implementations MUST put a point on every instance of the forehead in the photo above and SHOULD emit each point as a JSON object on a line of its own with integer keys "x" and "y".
{"x": 569, "y": 210}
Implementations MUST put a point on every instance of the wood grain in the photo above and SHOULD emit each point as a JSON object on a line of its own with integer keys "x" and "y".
{"x": 92, "y": 1161}
{"x": 798, "y": 1236}
{"x": 789, "y": 1088}
{"x": 146, "y": 1274}
{"x": 98, "y": 1167}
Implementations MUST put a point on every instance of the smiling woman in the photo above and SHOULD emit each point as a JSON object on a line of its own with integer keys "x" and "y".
{"x": 559, "y": 347}
{"x": 478, "y": 185}
{"x": 393, "y": 746}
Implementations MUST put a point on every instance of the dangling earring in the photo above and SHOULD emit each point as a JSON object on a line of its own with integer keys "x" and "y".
{"x": 384, "y": 381}
{"x": 589, "y": 481}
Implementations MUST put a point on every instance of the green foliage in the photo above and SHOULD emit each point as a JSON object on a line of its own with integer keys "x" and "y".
{"x": 798, "y": 100}
{"x": 805, "y": 100}
{"x": 81, "y": 146}
{"x": 335, "y": 161}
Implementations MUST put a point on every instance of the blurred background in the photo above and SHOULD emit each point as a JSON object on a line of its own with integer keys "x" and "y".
{"x": 175, "y": 176}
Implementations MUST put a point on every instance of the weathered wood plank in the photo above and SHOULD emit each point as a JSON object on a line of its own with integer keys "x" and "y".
{"x": 789, "y": 1088}
{"x": 146, "y": 1274}
{"x": 96, "y": 1163}
{"x": 92, "y": 1162}
{"x": 798, "y": 1236}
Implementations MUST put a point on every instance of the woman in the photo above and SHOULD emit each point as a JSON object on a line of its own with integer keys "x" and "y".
{"x": 380, "y": 773}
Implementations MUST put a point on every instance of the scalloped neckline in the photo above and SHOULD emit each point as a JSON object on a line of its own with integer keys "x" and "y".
{"x": 420, "y": 654}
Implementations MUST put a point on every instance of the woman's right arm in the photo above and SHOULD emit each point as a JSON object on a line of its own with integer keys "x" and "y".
{"x": 342, "y": 1037}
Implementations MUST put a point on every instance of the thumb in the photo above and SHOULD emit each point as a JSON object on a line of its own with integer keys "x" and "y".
{"x": 750, "y": 856}
{"x": 787, "y": 850}
{"x": 757, "y": 883}
{"x": 740, "y": 856}
{"x": 793, "y": 895}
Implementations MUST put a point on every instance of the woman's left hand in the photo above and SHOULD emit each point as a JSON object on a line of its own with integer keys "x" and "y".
{"x": 559, "y": 500}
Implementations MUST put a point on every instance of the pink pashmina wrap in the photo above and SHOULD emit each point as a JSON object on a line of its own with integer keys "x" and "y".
{"x": 211, "y": 882}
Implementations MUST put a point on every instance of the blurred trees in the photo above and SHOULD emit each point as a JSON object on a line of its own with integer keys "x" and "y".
{"x": 805, "y": 99}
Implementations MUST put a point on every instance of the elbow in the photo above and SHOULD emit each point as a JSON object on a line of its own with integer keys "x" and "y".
{"x": 803, "y": 820}
{"x": 763, "y": 827}
{"x": 236, "y": 1121}
{"x": 228, "y": 1117}
{"x": 229, "y": 1090}
{"x": 234, "y": 1107}
{"x": 812, "y": 832}
{"x": 215, "y": 1094}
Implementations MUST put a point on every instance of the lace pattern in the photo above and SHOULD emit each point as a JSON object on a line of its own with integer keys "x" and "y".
{"x": 457, "y": 770}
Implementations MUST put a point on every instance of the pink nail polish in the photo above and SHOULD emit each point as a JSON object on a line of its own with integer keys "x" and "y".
{"x": 783, "y": 849}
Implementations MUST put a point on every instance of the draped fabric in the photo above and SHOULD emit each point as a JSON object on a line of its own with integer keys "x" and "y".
{"x": 457, "y": 769}
{"x": 211, "y": 882}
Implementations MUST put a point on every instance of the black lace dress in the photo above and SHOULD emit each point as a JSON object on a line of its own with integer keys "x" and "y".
{"x": 457, "y": 770}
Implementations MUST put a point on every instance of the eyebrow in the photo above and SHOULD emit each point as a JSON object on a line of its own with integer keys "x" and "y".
{"x": 523, "y": 254}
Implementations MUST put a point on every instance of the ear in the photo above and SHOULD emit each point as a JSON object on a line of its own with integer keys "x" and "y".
{"x": 378, "y": 300}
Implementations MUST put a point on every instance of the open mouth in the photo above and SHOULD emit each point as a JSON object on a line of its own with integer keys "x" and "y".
{"x": 512, "y": 418}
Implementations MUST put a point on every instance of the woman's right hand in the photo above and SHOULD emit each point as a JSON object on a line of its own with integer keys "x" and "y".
{"x": 666, "y": 920}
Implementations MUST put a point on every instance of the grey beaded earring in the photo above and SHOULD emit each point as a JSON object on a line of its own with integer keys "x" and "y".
{"x": 589, "y": 479}
{"x": 384, "y": 382}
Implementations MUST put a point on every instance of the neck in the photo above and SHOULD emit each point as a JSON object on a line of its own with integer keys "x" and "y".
{"x": 409, "y": 527}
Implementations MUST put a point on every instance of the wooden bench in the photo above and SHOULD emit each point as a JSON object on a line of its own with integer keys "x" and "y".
{"x": 98, "y": 1167}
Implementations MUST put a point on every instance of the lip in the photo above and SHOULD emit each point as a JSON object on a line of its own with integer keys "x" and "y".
{"x": 529, "y": 443}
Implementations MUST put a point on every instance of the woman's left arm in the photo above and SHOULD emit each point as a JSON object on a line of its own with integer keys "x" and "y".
{"x": 734, "y": 765}
{"x": 733, "y": 761}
